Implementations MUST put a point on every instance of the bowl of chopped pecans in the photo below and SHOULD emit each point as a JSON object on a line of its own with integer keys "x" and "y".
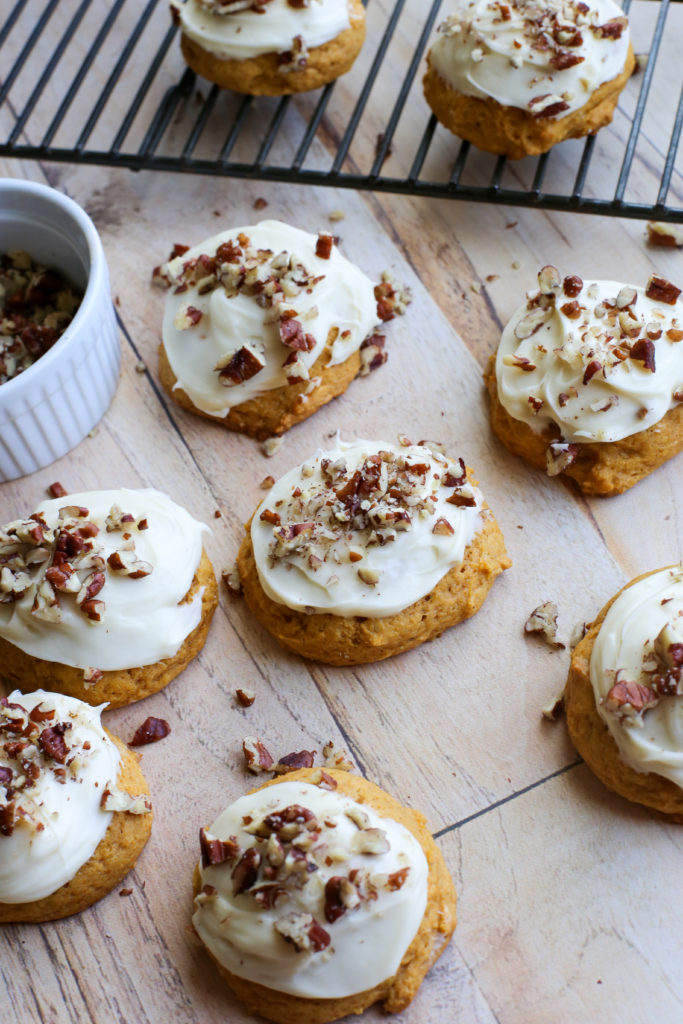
{"x": 59, "y": 349}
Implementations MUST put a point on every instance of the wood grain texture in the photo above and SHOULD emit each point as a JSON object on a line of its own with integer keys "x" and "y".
{"x": 566, "y": 911}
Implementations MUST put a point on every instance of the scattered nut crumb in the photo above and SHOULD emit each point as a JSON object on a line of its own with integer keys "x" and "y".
{"x": 554, "y": 708}
{"x": 338, "y": 759}
{"x": 217, "y": 514}
{"x": 256, "y": 757}
{"x": 292, "y": 762}
{"x": 515, "y": 264}
{"x": 272, "y": 445}
{"x": 216, "y": 213}
{"x": 151, "y": 731}
{"x": 476, "y": 287}
{"x": 125, "y": 892}
{"x": 260, "y": 203}
{"x": 94, "y": 432}
{"x": 512, "y": 224}
{"x": 245, "y": 697}
{"x": 57, "y": 490}
{"x": 335, "y": 215}
{"x": 492, "y": 277}
{"x": 664, "y": 235}
{"x": 233, "y": 583}
{"x": 267, "y": 483}
{"x": 543, "y": 622}
{"x": 641, "y": 62}
{"x": 140, "y": 367}
{"x": 117, "y": 300}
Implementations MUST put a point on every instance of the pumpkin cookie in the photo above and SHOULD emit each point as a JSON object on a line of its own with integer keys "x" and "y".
{"x": 265, "y": 324}
{"x": 369, "y": 550}
{"x": 320, "y": 896}
{"x": 104, "y": 595}
{"x": 270, "y": 48}
{"x": 588, "y": 380}
{"x": 517, "y": 78}
{"x": 74, "y": 807}
{"x": 624, "y": 695}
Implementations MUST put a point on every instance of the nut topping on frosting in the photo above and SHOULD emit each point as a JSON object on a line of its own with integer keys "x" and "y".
{"x": 243, "y": 29}
{"x": 599, "y": 361}
{"x": 351, "y": 522}
{"x": 65, "y": 560}
{"x": 636, "y": 671}
{"x": 58, "y": 768}
{"x": 77, "y": 580}
{"x": 543, "y": 57}
{"x": 252, "y": 309}
{"x": 283, "y": 872}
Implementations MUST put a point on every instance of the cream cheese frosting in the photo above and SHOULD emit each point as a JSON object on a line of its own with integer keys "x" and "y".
{"x": 543, "y": 57}
{"x": 253, "y": 308}
{"x": 131, "y": 556}
{"x": 240, "y": 34}
{"x": 51, "y": 790}
{"x": 308, "y": 892}
{"x": 365, "y": 529}
{"x": 598, "y": 359}
{"x": 635, "y": 670}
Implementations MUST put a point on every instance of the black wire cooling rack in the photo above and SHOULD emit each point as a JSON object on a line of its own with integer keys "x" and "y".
{"x": 104, "y": 83}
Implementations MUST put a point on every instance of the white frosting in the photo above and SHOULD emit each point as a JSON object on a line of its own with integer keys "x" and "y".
{"x": 653, "y": 740}
{"x": 480, "y": 53}
{"x": 623, "y": 397}
{"x": 410, "y": 561}
{"x": 367, "y": 942}
{"x": 343, "y": 298}
{"x": 143, "y": 621}
{"x": 61, "y": 822}
{"x": 248, "y": 33}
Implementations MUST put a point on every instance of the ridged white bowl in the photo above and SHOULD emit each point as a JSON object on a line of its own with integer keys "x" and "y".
{"x": 51, "y": 406}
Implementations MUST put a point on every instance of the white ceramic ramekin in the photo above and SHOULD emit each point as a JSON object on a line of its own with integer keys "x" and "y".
{"x": 53, "y": 404}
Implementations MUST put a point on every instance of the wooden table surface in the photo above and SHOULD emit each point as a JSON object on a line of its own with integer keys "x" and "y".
{"x": 569, "y": 897}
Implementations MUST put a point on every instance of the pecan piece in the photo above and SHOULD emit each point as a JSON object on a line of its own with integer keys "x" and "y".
{"x": 543, "y": 623}
{"x": 52, "y": 742}
{"x": 151, "y": 731}
{"x": 215, "y": 851}
{"x": 245, "y": 872}
{"x": 256, "y": 757}
{"x": 292, "y": 762}
{"x": 660, "y": 290}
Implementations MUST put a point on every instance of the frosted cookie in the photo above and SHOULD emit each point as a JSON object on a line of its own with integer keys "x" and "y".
{"x": 518, "y": 77}
{"x": 74, "y": 807}
{"x": 624, "y": 698}
{"x": 270, "y": 47}
{"x": 104, "y": 595}
{"x": 264, "y": 324}
{"x": 588, "y": 380}
{"x": 321, "y": 895}
{"x": 369, "y": 550}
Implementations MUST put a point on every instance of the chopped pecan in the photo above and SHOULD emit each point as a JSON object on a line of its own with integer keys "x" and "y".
{"x": 256, "y": 757}
{"x": 245, "y": 872}
{"x": 151, "y": 731}
{"x": 543, "y": 623}
{"x": 292, "y": 762}
{"x": 216, "y": 851}
{"x": 660, "y": 290}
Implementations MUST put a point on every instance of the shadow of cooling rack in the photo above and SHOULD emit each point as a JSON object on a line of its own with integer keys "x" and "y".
{"x": 103, "y": 82}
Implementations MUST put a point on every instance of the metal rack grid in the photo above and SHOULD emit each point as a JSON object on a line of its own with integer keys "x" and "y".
{"x": 167, "y": 118}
